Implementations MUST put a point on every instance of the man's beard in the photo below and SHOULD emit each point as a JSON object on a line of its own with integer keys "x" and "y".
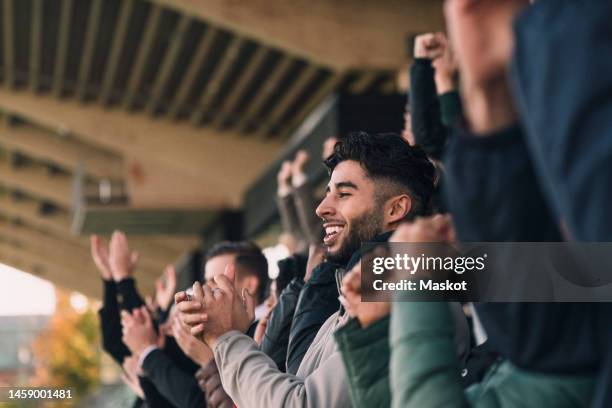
{"x": 362, "y": 229}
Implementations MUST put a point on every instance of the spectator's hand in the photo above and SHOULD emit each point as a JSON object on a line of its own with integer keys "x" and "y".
{"x": 226, "y": 309}
{"x": 192, "y": 347}
{"x": 284, "y": 179}
{"x": 298, "y": 177}
{"x": 438, "y": 228}
{"x": 328, "y": 147}
{"x": 446, "y": 68}
{"x": 316, "y": 255}
{"x": 122, "y": 261}
{"x": 165, "y": 287}
{"x": 428, "y": 46}
{"x": 189, "y": 309}
{"x": 130, "y": 374}
{"x": 138, "y": 330}
{"x": 482, "y": 39}
{"x": 209, "y": 381}
{"x": 99, "y": 253}
{"x": 366, "y": 312}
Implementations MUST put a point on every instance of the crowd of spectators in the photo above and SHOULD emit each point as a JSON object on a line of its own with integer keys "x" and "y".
{"x": 507, "y": 138}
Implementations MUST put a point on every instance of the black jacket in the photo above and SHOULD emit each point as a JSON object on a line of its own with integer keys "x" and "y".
{"x": 318, "y": 300}
{"x": 429, "y": 131}
{"x": 276, "y": 337}
{"x": 177, "y": 385}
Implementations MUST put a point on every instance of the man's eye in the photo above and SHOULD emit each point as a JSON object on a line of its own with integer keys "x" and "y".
{"x": 343, "y": 195}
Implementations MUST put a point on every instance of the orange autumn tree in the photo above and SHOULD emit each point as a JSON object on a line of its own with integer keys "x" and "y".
{"x": 67, "y": 351}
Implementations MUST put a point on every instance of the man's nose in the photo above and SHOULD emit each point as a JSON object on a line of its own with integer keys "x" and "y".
{"x": 325, "y": 208}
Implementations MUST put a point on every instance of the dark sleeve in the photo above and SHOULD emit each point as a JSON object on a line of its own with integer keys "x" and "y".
{"x": 451, "y": 110}
{"x": 495, "y": 192}
{"x": 276, "y": 337}
{"x": 129, "y": 298}
{"x": 110, "y": 324}
{"x": 305, "y": 205}
{"x": 177, "y": 386}
{"x": 318, "y": 300}
{"x": 570, "y": 135}
{"x": 429, "y": 132}
{"x": 153, "y": 398}
{"x": 368, "y": 377}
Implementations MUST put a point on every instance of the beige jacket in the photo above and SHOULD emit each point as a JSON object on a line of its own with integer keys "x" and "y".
{"x": 252, "y": 379}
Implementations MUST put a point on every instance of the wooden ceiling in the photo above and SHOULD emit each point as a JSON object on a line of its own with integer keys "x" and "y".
{"x": 184, "y": 101}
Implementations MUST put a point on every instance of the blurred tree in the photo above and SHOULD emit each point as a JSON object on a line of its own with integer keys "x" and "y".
{"x": 67, "y": 352}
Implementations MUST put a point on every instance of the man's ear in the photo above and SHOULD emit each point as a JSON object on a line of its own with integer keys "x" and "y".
{"x": 251, "y": 283}
{"x": 397, "y": 209}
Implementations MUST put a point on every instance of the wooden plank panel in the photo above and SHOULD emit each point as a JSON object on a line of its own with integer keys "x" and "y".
{"x": 202, "y": 52}
{"x": 93, "y": 24}
{"x": 168, "y": 64}
{"x": 278, "y": 72}
{"x": 217, "y": 77}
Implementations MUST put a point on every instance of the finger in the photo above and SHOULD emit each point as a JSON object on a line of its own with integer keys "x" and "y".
{"x": 197, "y": 330}
{"x": 225, "y": 284}
{"x": 126, "y": 317}
{"x": 134, "y": 256}
{"x": 171, "y": 276}
{"x": 148, "y": 321}
{"x": 212, "y": 382}
{"x": 180, "y": 297}
{"x": 195, "y": 319}
{"x": 208, "y": 294}
{"x": 230, "y": 272}
{"x": 198, "y": 294}
{"x": 189, "y": 306}
{"x": 249, "y": 303}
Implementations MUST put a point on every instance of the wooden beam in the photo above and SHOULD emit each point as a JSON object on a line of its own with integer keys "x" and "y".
{"x": 197, "y": 155}
{"x": 154, "y": 255}
{"x": 272, "y": 81}
{"x": 328, "y": 87}
{"x": 66, "y": 153}
{"x": 231, "y": 101}
{"x": 36, "y": 44}
{"x": 115, "y": 53}
{"x": 340, "y": 35}
{"x": 93, "y": 23}
{"x": 218, "y": 76}
{"x": 170, "y": 60}
{"x": 195, "y": 66}
{"x": 63, "y": 40}
{"x": 144, "y": 50}
{"x": 9, "y": 42}
{"x": 36, "y": 181}
{"x": 305, "y": 77}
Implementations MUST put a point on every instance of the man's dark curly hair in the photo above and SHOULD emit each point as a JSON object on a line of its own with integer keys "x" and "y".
{"x": 394, "y": 165}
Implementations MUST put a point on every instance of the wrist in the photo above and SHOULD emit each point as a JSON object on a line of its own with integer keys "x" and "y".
{"x": 444, "y": 83}
{"x": 489, "y": 108}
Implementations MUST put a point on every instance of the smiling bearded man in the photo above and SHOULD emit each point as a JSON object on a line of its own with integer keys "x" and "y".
{"x": 376, "y": 182}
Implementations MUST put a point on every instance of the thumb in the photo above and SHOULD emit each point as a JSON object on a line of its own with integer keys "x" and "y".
{"x": 230, "y": 271}
{"x": 147, "y": 316}
{"x": 249, "y": 304}
{"x": 134, "y": 256}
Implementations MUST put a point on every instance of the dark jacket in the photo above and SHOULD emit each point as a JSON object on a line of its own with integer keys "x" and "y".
{"x": 501, "y": 200}
{"x": 276, "y": 337}
{"x": 429, "y": 131}
{"x": 177, "y": 385}
{"x": 318, "y": 300}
